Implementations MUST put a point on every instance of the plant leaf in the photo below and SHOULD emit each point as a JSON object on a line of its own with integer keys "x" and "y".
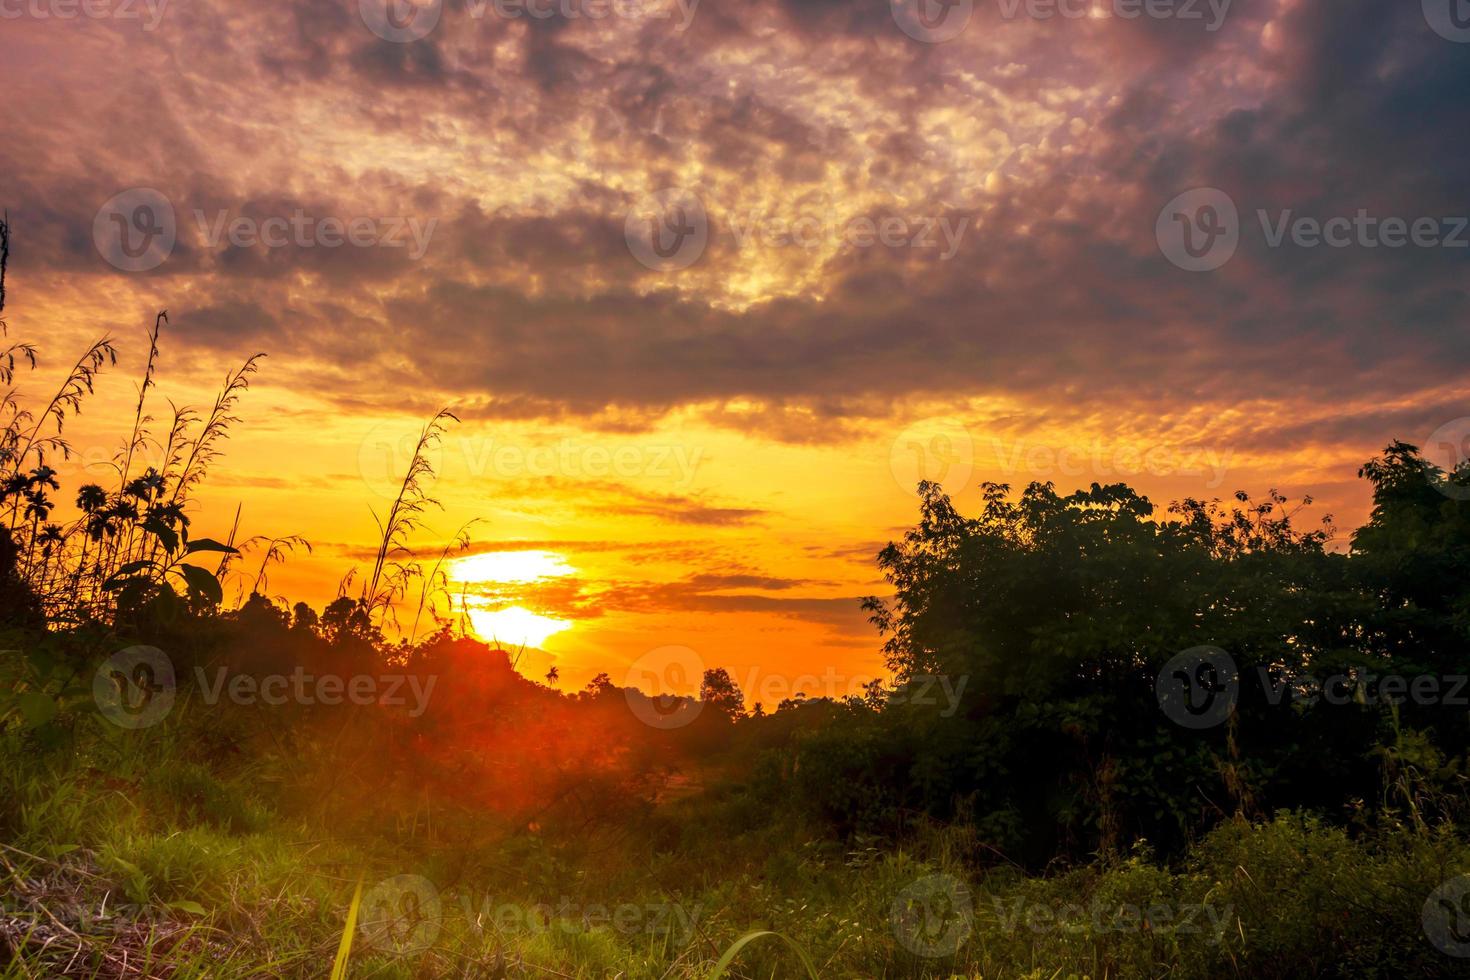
{"x": 36, "y": 708}
{"x": 209, "y": 544}
{"x": 724, "y": 962}
{"x": 123, "y": 574}
{"x": 170, "y": 538}
{"x": 203, "y": 582}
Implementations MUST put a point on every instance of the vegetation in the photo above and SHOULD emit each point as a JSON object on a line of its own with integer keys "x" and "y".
{"x": 190, "y": 787}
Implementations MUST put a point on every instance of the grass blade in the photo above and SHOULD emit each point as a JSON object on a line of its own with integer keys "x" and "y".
{"x": 344, "y": 949}
{"x": 724, "y": 962}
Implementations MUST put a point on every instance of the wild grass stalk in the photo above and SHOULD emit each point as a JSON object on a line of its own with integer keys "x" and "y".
{"x": 392, "y": 568}
{"x": 78, "y": 384}
{"x": 204, "y": 449}
{"x": 276, "y": 551}
{"x": 437, "y": 581}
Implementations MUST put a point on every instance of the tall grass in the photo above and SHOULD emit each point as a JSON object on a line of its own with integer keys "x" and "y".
{"x": 124, "y": 545}
{"x": 394, "y": 568}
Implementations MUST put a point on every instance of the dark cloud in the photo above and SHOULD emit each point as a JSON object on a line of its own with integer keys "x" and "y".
{"x": 527, "y": 142}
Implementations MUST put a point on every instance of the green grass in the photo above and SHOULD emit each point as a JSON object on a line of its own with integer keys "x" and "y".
{"x": 158, "y": 850}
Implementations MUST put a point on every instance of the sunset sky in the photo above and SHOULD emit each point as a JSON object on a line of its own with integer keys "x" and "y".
{"x": 931, "y": 255}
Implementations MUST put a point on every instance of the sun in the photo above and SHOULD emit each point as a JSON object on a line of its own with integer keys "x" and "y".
{"x": 502, "y": 576}
{"x": 515, "y": 626}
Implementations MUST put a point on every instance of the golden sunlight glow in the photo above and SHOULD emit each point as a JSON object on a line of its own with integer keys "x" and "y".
{"x": 509, "y": 566}
{"x": 509, "y": 625}
{"x": 515, "y": 626}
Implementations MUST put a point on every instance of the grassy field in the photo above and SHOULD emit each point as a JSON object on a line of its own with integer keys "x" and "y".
{"x": 194, "y": 848}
